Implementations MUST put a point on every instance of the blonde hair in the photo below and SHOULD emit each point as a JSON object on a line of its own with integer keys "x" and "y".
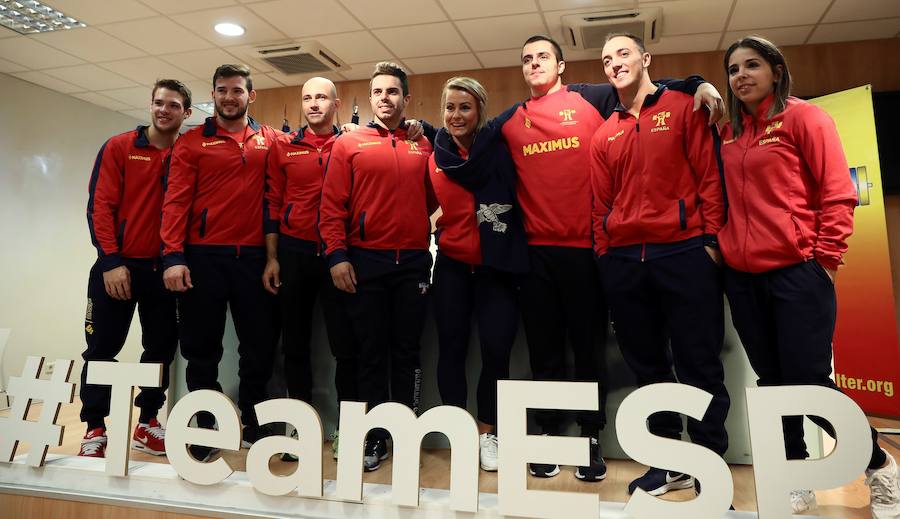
{"x": 471, "y": 86}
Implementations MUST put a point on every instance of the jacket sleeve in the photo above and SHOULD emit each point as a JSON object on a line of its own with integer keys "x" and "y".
{"x": 104, "y": 197}
{"x": 181, "y": 181}
{"x": 702, "y": 151}
{"x": 333, "y": 210}
{"x": 602, "y": 195}
{"x": 820, "y": 144}
{"x": 276, "y": 180}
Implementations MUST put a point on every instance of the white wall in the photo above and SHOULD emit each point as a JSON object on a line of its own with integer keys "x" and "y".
{"x": 48, "y": 142}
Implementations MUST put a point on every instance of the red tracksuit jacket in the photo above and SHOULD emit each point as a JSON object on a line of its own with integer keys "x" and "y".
{"x": 790, "y": 195}
{"x": 655, "y": 178}
{"x": 377, "y": 194}
{"x": 294, "y": 183}
{"x": 458, "y": 224}
{"x": 125, "y": 197}
{"x": 549, "y": 139}
{"x": 214, "y": 191}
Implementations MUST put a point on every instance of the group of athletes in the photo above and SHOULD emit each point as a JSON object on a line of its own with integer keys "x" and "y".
{"x": 584, "y": 202}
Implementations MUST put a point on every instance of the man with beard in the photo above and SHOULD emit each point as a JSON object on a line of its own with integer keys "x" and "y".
{"x": 374, "y": 221}
{"x": 296, "y": 269}
{"x": 123, "y": 218}
{"x": 214, "y": 249}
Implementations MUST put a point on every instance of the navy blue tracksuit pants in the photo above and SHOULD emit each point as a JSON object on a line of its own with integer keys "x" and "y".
{"x": 560, "y": 298}
{"x": 459, "y": 290}
{"x": 388, "y": 314}
{"x": 106, "y": 326}
{"x": 668, "y": 313}
{"x": 304, "y": 277}
{"x": 785, "y": 319}
{"x": 225, "y": 278}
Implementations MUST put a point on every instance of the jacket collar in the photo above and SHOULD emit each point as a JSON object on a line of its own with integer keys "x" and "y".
{"x": 210, "y": 128}
{"x": 302, "y": 132}
{"x": 140, "y": 139}
{"x": 649, "y": 101}
{"x": 762, "y": 110}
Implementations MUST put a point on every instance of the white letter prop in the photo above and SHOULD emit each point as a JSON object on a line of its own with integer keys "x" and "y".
{"x": 123, "y": 377}
{"x": 776, "y": 476}
{"x": 179, "y": 435}
{"x": 517, "y": 448}
{"x": 44, "y": 432}
{"x": 655, "y": 451}
{"x": 308, "y": 476}
{"x": 407, "y": 433}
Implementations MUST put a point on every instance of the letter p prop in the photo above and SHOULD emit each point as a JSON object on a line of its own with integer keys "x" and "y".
{"x": 776, "y": 476}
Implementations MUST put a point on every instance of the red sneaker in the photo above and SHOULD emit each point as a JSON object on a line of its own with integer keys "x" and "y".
{"x": 150, "y": 438}
{"x": 93, "y": 445}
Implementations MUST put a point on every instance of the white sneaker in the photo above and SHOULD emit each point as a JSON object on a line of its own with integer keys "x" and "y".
{"x": 884, "y": 485}
{"x": 487, "y": 444}
{"x": 803, "y": 501}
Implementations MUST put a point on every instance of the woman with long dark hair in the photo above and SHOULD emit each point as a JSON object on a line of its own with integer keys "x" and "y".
{"x": 790, "y": 213}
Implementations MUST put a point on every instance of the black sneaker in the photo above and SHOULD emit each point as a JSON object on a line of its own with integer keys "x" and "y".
{"x": 657, "y": 482}
{"x": 597, "y": 469}
{"x": 202, "y": 453}
{"x": 374, "y": 452}
{"x": 251, "y": 433}
{"x": 287, "y": 456}
{"x": 543, "y": 470}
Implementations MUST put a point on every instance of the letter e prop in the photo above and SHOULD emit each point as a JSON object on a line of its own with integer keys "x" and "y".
{"x": 655, "y": 451}
{"x": 514, "y": 398}
{"x": 777, "y": 476}
{"x": 308, "y": 448}
{"x": 179, "y": 435}
{"x": 123, "y": 377}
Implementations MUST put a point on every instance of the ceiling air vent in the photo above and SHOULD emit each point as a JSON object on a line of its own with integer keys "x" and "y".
{"x": 307, "y": 57}
{"x": 589, "y": 30}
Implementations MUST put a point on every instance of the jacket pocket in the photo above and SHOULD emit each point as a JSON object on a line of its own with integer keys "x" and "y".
{"x": 203, "y": 222}
{"x": 362, "y": 226}
{"x": 287, "y": 215}
{"x": 605, "y": 218}
{"x": 682, "y": 214}
{"x": 120, "y": 236}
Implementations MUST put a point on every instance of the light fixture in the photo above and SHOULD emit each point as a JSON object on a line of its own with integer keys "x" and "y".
{"x": 31, "y": 16}
{"x": 229, "y": 29}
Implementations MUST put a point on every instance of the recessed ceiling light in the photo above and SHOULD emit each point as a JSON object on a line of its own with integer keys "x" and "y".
{"x": 30, "y": 16}
{"x": 229, "y": 29}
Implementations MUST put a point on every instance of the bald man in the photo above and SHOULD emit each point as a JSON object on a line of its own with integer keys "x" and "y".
{"x": 296, "y": 269}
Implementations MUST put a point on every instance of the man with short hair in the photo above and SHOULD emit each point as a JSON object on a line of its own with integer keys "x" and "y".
{"x": 126, "y": 196}
{"x": 376, "y": 201}
{"x": 658, "y": 205}
{"x": 560, "y": 297}
{"x": 296, "y": 269}
{"x": 214, "y": 248}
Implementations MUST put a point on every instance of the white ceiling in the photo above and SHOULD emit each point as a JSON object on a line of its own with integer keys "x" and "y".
{"x": 131, "y": 43}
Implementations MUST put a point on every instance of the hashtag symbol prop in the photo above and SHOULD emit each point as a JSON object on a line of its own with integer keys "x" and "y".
{"x": 44, "y": 432}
